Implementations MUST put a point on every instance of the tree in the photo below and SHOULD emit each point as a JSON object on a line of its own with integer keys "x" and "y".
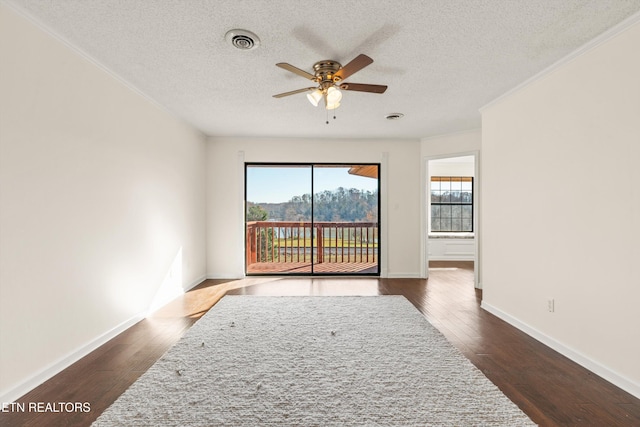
{"x": 265, "y": 239}
{"x": 257, "y": 213}
{"x": 342, "y": 204}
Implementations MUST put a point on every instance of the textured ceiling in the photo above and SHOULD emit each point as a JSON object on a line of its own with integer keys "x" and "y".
{"x": 442, "y": 59}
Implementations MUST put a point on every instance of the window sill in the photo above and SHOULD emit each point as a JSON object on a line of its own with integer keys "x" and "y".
{"x": 451, "y": 235}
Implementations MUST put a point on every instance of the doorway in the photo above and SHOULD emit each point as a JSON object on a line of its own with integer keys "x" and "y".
{"x": 312, "y": 219}
{"x": 451, "y": 210}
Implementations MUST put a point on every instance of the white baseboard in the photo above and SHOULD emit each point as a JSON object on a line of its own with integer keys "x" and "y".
{"x": 224, "y": 277}
{"x": 34, "y": 381}
{"x": 404, "y": 276}
{"x": 158, "y": 304}
{"x": 195, "y": 283}
{"x": 56, "y": 367}
{"x": 590, "y": 364}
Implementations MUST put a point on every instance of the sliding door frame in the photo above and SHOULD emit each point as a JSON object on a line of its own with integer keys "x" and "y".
{"x": 311, "y": 165}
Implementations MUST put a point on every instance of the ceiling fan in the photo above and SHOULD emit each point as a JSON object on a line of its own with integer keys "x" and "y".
{"x": 329, "y": 76}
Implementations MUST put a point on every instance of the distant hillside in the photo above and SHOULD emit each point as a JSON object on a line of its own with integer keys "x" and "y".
{"x": 340, "y": 205}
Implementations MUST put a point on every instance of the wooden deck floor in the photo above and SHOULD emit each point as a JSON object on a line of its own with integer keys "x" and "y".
{"x": 305, "y": 268}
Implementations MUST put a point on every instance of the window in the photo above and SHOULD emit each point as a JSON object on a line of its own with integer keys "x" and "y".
{"x": 452, "y": 203}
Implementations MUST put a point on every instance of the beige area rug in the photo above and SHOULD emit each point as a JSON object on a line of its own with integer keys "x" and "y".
{"x": 313, "y": 361}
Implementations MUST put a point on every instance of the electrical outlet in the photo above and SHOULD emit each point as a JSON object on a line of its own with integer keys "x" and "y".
{"x": 551, "y": 305}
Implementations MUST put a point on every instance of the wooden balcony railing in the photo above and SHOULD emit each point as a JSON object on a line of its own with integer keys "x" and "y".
{"x": 318, "y": 242}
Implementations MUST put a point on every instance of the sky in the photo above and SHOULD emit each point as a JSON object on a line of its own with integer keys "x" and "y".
{"x": 275, "y": 184}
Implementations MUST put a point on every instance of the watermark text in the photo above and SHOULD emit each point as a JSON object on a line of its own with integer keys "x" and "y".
{"x": 65, "y": 407}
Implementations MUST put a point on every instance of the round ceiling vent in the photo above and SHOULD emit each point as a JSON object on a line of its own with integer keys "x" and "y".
{"x": 394, "y": 116}
{"x": 242, "y": 39}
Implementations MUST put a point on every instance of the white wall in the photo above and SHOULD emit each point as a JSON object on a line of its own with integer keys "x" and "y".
{"x": 101, "y": 195}
{"x": 451, "y": 167}
{"x": 560, "y": 169}
{"x": 451, "y": 145}
{"x": 400, "y": 194}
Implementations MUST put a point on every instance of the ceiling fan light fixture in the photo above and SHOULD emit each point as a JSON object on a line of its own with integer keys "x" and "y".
{"x": 327, "y": 75}
{"x": 333, "y": 96}
{"x": 315, "y": 97}
{"x": 332, "y": 106}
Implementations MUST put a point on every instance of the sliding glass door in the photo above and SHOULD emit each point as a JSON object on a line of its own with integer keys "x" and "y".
{"x": 312, "y": 219}
{"x": 345, "y": 217}
{"x": 279, "y": 232}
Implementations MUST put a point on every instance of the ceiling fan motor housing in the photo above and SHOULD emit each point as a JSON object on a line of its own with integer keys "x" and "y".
{"x": 325, "y": 70}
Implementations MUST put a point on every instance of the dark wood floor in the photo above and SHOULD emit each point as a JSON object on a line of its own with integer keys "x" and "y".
{"x": 551, "y": 389}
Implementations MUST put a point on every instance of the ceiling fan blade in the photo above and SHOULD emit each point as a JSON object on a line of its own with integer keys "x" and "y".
{"x": 363, "y": 87}
{"x": 296, "y": 70}
{"x": 357, "y": 64}
{"x": 293, "y": 92}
